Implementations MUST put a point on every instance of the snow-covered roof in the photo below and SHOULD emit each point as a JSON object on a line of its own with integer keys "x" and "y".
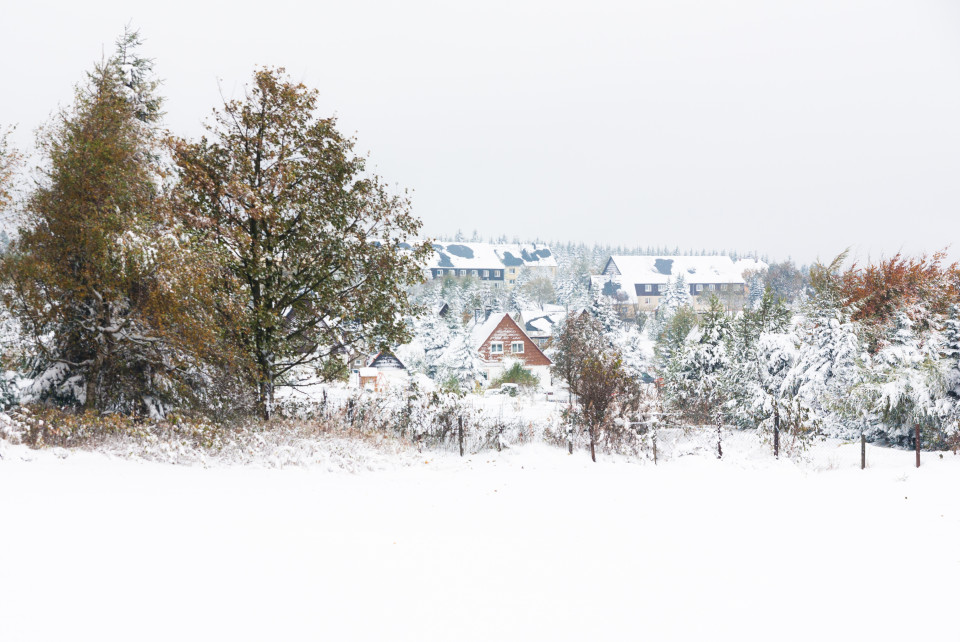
{"x": 481, "y": 331}
{"x": 695, "y": 269}
{"x": 541, "y": 322}
{"x": 477, "y": 256}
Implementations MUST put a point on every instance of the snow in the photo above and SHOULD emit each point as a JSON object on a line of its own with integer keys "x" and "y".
{"x": 529, "y": 543}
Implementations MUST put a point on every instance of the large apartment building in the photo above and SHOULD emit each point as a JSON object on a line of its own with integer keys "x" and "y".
{"x": 499, "y": 263}
{"x": 641, "y": 281}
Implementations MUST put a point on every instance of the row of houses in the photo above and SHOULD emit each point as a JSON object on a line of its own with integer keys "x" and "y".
{"x": 497, "y": 337}
{"x": 636, "y": 281}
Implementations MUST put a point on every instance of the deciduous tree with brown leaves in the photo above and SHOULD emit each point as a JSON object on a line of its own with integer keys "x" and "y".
{"x": 320, "y": 248}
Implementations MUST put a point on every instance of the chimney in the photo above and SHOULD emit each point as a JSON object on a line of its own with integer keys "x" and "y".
{"x": 487, "y": 312}
{"x": 476, "y": 314}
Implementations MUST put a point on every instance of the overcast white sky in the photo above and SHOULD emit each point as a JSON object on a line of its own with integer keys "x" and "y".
{"x": 792, "y": 128}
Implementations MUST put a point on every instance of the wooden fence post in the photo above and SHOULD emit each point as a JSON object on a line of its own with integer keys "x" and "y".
{"x": 719, "y": 426}
{"x": 916, "y": 438}
{"x": 460, "y": 433}
{"x": 776, "y": 431}
{"x": 863, "y": 451}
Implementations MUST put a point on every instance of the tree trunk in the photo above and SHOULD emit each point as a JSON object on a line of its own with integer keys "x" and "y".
{"x": 863, "y": 451}
{"x": 90, "y": 403}
{"x": 593, "y": 450}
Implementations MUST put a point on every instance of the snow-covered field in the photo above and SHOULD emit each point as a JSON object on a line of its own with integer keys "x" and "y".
{"x": 530, "y": 543}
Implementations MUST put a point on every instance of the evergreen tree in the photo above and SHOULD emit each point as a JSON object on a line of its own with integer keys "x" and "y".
{"x": 950, "y": 404}
{"x": 112, "y": 290}
{"x": 694, "y": 381}
{"x": 902, "y": 385}
{"x": 831, "y": 357}
{"x": 9, "y": 162}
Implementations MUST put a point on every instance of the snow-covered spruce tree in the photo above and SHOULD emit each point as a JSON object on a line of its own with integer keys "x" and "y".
{"x": 831, "y": 359}
{"x": 949, "y": 405}
{"x": 756, "y": 292}
{"x": 111, "y": 289}
{"x": 903, "y": 385}
{"x": 673, "y": 321}
{"x": 458, "y": 367}
{"x": 763, "y": 349}
{"x": 694, "y": 381}
{"x": 572, "y": 277}
{"x": 602, "y": 309}
{"x": 313, "y": 239}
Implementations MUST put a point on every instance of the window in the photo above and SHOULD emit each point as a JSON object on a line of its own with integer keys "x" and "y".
{"x": 660, "y": 287}
{"x": 496, "y": 347}
{"x": 648, "y": 300}
{"x": 699, "y": 287}
{"x": 648, "y": 288}
{"x": 512, "y": 281}
{"x": 516, "y": 347}
{"x": 496, "y": 273}
{"x": 463, "y": 273}
{"x": 724, "y": 286}
{"x": 473, "y": 273}
{"x": 513, "y": 270}
{"x": 712, "y": 286}
{"x": 486, "y": 274}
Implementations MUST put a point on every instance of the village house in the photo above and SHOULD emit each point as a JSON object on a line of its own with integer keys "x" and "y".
{"x": 502, "y": 342}
{"x": 641, "y": 281}
{"x": 497, "y": 263}
{"x": 384, "y": 371}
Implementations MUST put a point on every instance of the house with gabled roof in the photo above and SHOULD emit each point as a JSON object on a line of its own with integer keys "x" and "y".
{"x": 501, "y": 341}
{"x": 383, "y": 371}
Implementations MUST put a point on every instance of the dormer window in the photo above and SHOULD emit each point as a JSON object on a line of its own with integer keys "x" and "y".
{"x": 699, "y": 287}
{"x": 648, "y": 288}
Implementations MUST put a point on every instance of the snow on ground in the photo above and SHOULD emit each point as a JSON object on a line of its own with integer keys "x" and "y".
{"x": 527, "y": 544}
